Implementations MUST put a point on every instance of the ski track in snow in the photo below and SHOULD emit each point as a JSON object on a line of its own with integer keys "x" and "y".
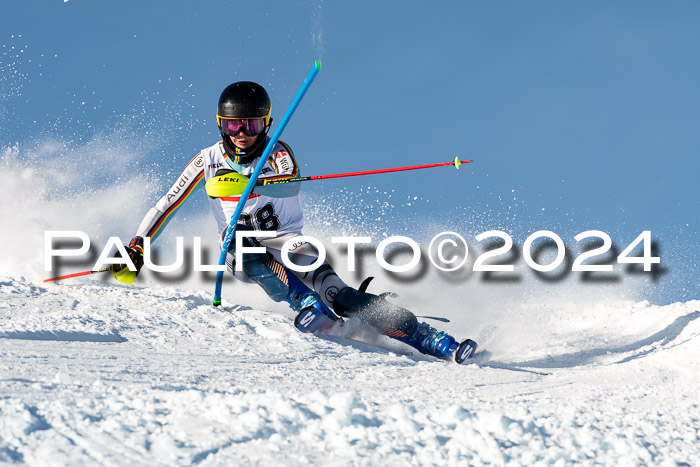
{"x": 95, "y": 373}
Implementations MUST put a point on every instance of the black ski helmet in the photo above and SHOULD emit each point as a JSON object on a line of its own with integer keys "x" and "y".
{"x": 244, "y": 99}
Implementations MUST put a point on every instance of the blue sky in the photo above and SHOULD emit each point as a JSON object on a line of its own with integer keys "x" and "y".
{"x": 585, "y": 112}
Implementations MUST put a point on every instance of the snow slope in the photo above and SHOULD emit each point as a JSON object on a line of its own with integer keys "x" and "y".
{"x": 95, "y": 373}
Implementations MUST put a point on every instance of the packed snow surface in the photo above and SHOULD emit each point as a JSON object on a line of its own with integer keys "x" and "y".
{"x": 102, "y": 374}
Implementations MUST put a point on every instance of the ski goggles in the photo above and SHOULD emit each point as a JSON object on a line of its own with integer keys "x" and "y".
{"x": 249, "y": 126}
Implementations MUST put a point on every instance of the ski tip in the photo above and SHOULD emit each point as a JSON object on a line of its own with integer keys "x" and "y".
{"x": 466, "y": 350}
{"x": 317, "y": 64}
{"x": 457, "y": 162}
{"x": 314, "y": 320}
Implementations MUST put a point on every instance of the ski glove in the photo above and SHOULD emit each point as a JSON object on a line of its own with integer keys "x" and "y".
{"x": 135, "y": 251}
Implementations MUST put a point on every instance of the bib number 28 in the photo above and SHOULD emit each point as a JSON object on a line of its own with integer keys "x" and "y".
{"x": 263, "y": 218}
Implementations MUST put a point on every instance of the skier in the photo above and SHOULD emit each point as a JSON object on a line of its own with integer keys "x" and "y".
{"x": 243, "y": 117}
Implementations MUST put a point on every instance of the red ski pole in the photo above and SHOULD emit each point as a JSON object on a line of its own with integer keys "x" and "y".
{"x": 233, "y": 185}
{"x": 76, "y": 274}
{"x": 455, "y": 162}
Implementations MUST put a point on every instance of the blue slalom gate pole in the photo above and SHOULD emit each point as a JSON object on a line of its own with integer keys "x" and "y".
{"x": 256, "y": 173}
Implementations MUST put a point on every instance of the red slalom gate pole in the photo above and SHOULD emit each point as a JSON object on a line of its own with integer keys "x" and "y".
{"x": 76, "y": 274}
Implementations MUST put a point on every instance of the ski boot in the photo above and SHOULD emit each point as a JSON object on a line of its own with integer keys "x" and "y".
{"x": 312, "y": 314}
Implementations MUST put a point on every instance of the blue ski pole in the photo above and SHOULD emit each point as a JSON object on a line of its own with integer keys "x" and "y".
{"x": 256, "y": 173}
